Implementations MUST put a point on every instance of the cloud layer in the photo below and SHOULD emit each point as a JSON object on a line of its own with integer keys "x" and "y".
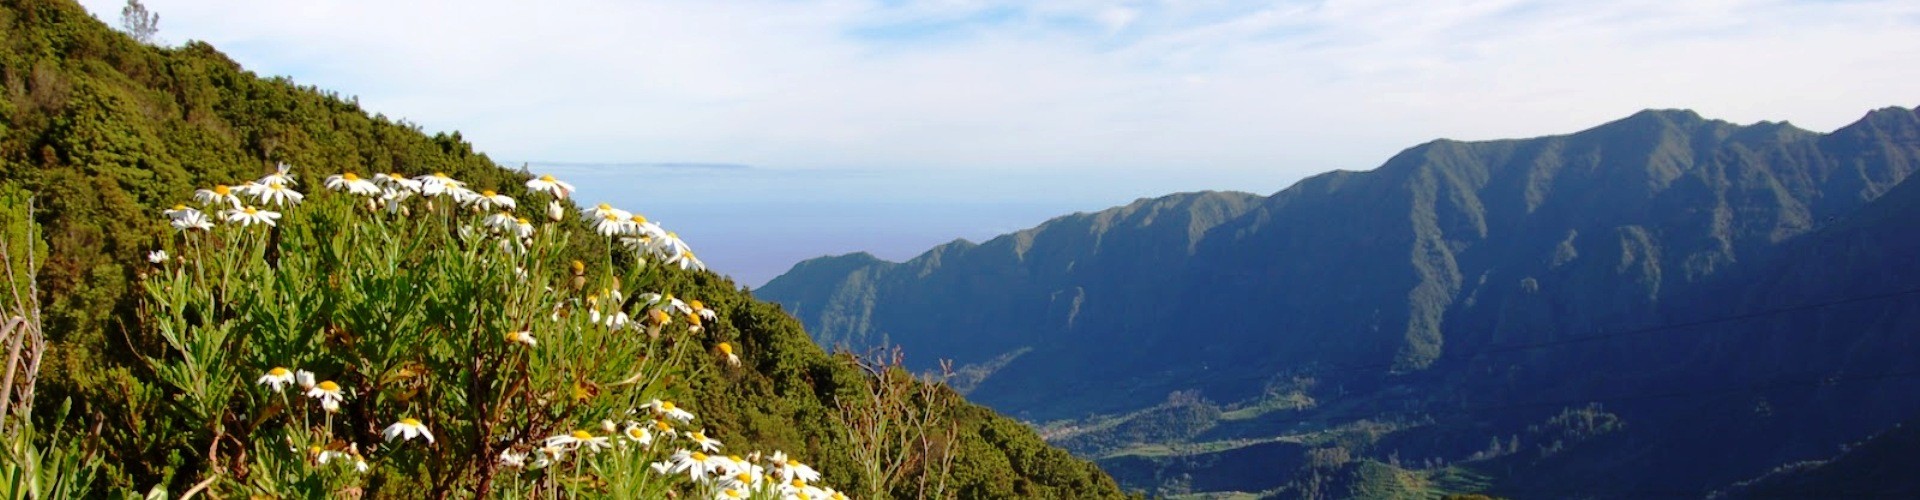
{"x": 1219, "y": 87}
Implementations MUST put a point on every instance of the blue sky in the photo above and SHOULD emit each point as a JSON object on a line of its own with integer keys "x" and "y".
{"x": 901, "y": 124}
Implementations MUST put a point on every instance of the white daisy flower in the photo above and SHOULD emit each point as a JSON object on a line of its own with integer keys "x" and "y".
{"x": 463, "y": 196}
{"x": 666, "y": 303}
{"x": 523, "y": 337}
{"x": 671, "y": 244}
{"x": 499, "y": 221}
{"x": 726, "y": 354}
{"x": 617, "y": 320}
{"x": 282, "y": 176}
{"x": 220, "y": 194}
{"x": 278, "y": 195}
{"x": 391, "y": 198}
{"x": 547, "y": 184}
{"x": 352, "y": 183}
{"x": 668, "y": 410}
{"x": 276, "y": 379}
{"x": 249, "y": 216}
{"x": 638, "y": 225}
{"x": 555, "y": 212}
{"x": 610, "y": 225}
{"x": 305, "y": 379}
{"x": 513, "y": 459}
{"x": 157, "y": 256}
{"x": 489, "y": 200}
{"x": 179, "y": 211}
{"x": 637, "y": 434}
{"x": 686, "y": 262}
{"x": 549, "y": 455}
{"x": 406, "y": 429}
{"x": 522, "y": 228}
{"x": 699, "y": 437}
{"x": 579, "y": 439}
{"x": 192, "y": 220}
{"x": 437, "y": 183}
{"x": 790, "y": 469}
{"x": 397, "y": 182}
{"x": 697, "y": 465}
{"x": 329, "y": 395}
{"x": 702, "y": 310}
{"x": 663, "y": 428}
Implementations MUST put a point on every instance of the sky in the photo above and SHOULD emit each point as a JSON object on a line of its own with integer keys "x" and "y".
{"x": 771, "y": 131}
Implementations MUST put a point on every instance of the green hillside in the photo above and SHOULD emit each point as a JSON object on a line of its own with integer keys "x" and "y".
{"x": 104, "y": 133}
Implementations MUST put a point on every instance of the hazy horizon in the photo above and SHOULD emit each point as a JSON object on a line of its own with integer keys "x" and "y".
{"x": 753, "y": 223}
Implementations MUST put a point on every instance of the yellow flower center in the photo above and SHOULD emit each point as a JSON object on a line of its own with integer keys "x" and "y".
{"x": 579, "y": 267}
{"x": 610, "y": 216}
{"x": 742, "y": 477}
{"x": 799, "y": 483}
{"x": 793, "y": 463}
{"x": 694, "y": 319}
{"x": 666, "y": 406}
{"x": 523, "y": 221}
{"x": 410, "y": 422}
{"x": 639, "y": 219}
{"x": 735, "y": 458}
{"x": 659, "y": 316}
{"x": 251, "y": 211}
{"x": 605, "y": 207}
{"x": 698, "y": 456}
{"x": 329, "y": 386}
{"x": 696, "y": 305}
{"x": 349, "y": 176}
{"x": 662, "y": 425}
{"x": 487, "y": 193}
{"x": 546, "y": 178}
{"x": 698, "y": 436}
{"x": 440, "y": 175}
{"x": 179, "y": 207}
{"x": 582, "y": 435}
{"x": 726, "y": 348}
{"x": 222, "y": 190}
{"x": 279, "y": 372}
{"x": 396, "y": 176}
{"x": 635, "y": 432}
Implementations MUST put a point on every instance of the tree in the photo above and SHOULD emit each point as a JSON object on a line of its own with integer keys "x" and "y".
{"x": 139, "y": 22}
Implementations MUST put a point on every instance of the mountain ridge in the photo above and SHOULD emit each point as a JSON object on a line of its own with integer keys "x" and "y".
{"x": 1405, "y": 275}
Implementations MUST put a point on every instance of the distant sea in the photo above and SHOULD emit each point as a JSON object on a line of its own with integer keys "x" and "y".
{"x": 753, "y": 223}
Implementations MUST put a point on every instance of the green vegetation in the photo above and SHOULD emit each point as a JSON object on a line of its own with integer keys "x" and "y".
{"x": 104, "y": 132}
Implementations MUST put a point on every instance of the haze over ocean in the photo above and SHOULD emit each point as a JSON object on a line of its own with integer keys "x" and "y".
{"x": 752, "y": 223}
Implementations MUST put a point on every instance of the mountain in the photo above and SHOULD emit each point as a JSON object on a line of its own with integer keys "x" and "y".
{"x": 105, "y": 132}
{"x": 1689, "y": 275}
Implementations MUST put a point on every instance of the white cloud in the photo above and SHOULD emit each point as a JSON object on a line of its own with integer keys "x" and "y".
{"x": 1224, "y": 88}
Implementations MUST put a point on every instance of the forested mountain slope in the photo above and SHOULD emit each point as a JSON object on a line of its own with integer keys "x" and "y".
{"x": 1491, "y": 284}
